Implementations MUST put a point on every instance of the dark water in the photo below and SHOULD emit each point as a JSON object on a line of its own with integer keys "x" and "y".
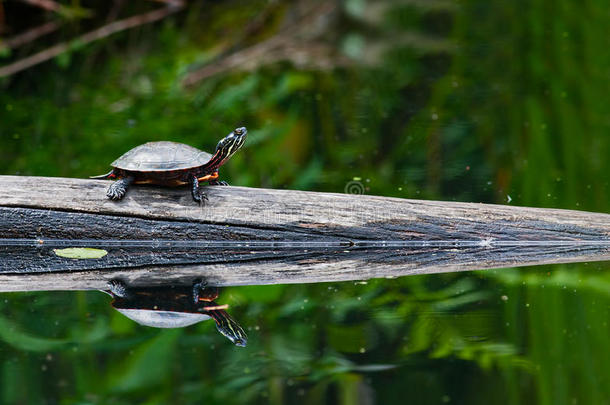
{"x": 502, "y": 102}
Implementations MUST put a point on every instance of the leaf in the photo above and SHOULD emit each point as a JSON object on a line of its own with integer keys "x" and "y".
{"x": 81, "y": 253}
{"x": 150, "y": 363}
{"x": 63, "y": 60}
{"x": 11, "y": 334}
{"x": 5, "y": 51}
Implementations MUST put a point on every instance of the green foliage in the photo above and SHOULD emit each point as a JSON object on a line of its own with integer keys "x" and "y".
{"x": 490, "y": 101}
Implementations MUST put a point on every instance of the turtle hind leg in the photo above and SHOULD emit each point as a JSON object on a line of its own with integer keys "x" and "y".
{"x": 198, "y": 194}
{"x": 117, "y": 190}
{"x": 117, "y": 288}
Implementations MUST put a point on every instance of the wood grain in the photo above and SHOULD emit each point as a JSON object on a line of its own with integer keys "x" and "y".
{"x": 261, "y": 236}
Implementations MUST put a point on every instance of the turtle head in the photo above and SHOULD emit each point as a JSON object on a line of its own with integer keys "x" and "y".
{"x": 230, "y": 144}
{"x": 228, "y": 327}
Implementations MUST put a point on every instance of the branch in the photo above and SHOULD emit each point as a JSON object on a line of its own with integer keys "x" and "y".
{"x": 29, "y": 35}
{"x": 89, "y": 37}
{"x": 296, "y": 35}
{"x": 48, "y": 5}
{"x": 2, "y": 17}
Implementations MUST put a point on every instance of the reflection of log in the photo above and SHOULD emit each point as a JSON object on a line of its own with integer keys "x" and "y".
{"x": 260, "y": 236}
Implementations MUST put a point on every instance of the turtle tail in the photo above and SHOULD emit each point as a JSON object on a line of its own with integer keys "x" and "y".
{"x": 110, "y": 175}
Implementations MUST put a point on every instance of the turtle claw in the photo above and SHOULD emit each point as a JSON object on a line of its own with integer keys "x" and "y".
{"x": 218, "y": 183}
{"x": 200, "y": 197}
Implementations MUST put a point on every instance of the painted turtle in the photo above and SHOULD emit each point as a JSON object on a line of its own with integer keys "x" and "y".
{"x": 172, "y": 164}
{"x": 175, "y": 307}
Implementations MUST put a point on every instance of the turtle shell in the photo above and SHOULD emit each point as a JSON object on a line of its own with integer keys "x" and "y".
{"x": 162, "y": 319}
{"x": 161, "y": 156}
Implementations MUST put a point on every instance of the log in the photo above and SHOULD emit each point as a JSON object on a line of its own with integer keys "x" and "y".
{"x": 249, "y": 236}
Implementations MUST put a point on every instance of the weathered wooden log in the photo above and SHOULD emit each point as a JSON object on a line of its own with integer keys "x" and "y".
{"x": 260, "y": 236}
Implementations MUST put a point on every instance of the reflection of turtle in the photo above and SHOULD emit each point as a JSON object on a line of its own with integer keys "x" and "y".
{"x": 171, "y": 164}
{"x": 175, "y": 307}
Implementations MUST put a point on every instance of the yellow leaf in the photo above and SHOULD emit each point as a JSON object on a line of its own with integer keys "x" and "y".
{"x": 81, "y": 253}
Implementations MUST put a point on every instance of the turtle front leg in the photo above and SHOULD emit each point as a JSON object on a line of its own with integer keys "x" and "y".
{"x": 203, "y": 293}
{"x": 215, "y": 182}
{"x": 198, "y": 194}
{"x": 118, "y": 189}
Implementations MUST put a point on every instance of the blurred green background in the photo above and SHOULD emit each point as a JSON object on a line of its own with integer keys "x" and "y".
{"x": 497, "y": 102}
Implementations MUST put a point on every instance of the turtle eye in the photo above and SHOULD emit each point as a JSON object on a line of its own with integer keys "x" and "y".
{"x": 238, "y": 131}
